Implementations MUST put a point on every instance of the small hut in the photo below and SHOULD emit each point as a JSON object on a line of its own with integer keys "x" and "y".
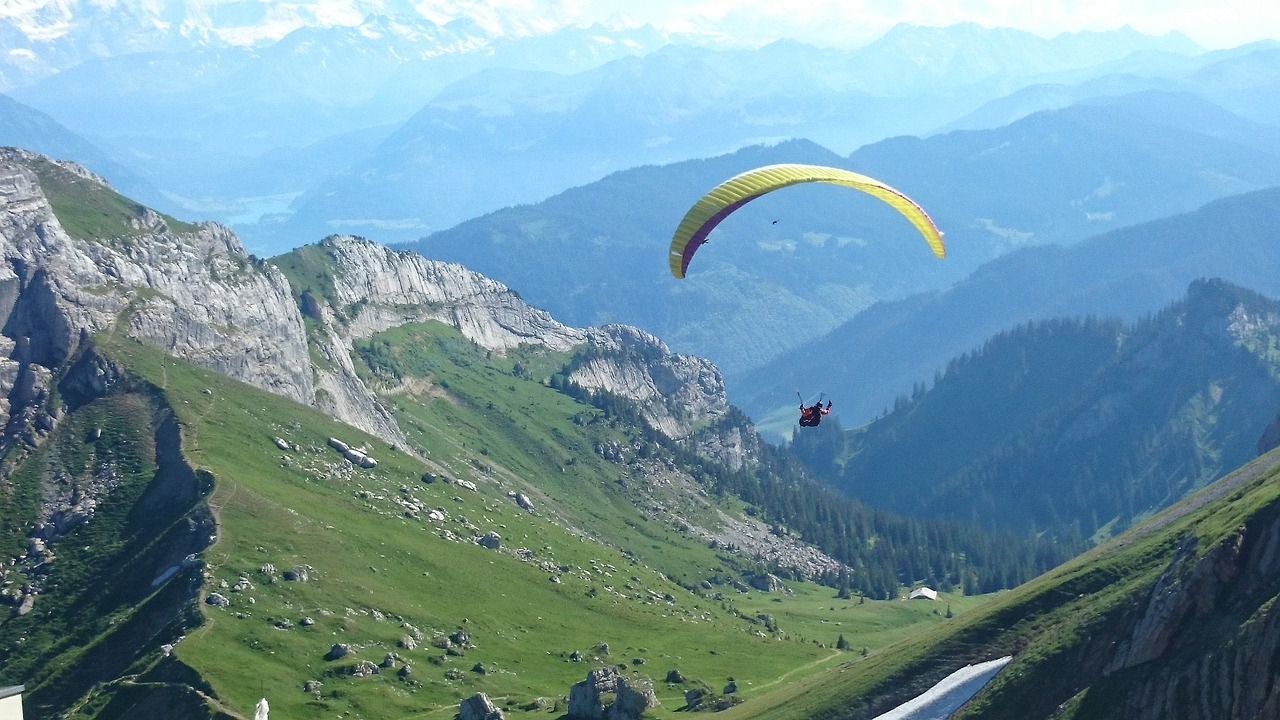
{"x": 923, "y": 593}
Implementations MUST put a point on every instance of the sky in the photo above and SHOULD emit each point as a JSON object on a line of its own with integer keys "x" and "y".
{"x": 840, "y": 23}
{"x": 853, "y": 22}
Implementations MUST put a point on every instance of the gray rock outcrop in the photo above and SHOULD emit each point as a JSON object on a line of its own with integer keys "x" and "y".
{"x": 673, "y": 392}
{"x": 631, "y": 696}
{"x": 479, "y": 707}
{"x": 376, "y": 289}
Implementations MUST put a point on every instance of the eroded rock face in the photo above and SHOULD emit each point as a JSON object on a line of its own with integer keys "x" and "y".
{"x": 674, "y": 392}
{"x": 196, "y": 295}
{"x": 376, "y": 289}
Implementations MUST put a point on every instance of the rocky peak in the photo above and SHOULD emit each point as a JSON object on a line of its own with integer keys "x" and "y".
{"x": 193, "y": 291}
{"x": 367, "y": 288}
{"x": 378, "y": 288}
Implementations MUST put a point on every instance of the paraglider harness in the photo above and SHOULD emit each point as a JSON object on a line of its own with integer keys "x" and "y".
{"x": 812, "y": 415}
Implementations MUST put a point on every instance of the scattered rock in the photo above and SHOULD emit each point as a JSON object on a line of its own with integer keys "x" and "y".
{"x": 217, "y": 600}
{"x": 631, "y": 696}
{"x": 302, "y": 573}
{"x": 312, "y": 686}
{"x": 602, "y": 649}
{"x": 674, "y": 676}
{"x": 693, "y": 698}
{"x": 306, "y": 622}
{"x": 363, "y": 669}
{"x": 284, "y": 624}
{"x": 524, "y": 502}
{"x": 389, "y": 661}
{"x": 280, "y": 443}
{"x": 479, "y": 668}
{"x": 576, "y": 657}
{"x": 407, "y": 642}
{"x": 461, "y": 637}
{"x": 767, "y": 582}
{"x": 405, "y": 672}
{"x": 490, "y": 540}
{"x": 731, "y": 688}
{"x": 338, "y": 651}
{"x": 479, "y": 707}
{"x": 453, "y": 674}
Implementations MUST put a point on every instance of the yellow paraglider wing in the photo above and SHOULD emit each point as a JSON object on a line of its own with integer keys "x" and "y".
{"x": 739, "y": 190}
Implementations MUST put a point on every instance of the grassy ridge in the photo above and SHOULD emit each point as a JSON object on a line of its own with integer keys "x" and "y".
{"x": 1060, "y": 627}
{"x": 90, "y": 211}
{"x": 374, "y": 569}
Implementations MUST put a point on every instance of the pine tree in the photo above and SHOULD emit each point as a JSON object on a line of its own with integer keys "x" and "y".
{"x": 841, "y": 643}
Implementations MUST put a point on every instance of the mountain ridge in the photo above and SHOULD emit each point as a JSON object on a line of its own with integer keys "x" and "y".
{"x": 1124, "y": 273}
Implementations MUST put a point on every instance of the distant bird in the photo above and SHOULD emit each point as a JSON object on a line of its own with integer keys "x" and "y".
{"x": 775, "y": 222}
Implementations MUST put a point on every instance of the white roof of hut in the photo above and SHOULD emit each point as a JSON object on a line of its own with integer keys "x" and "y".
{"x": 923, "y": 592}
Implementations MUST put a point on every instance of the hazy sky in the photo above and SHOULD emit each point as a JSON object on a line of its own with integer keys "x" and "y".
{"x": 751, "y": 22}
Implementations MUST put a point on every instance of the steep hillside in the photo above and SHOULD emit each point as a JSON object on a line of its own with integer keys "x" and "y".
{"x": 1074, "y": 427}
{"x": 596, "y": 254}
{"x": 884, "y": 351}
{"x": 1175, "y": 619}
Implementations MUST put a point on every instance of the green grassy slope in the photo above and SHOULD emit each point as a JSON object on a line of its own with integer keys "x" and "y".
{"x": 1064, "y": 627}
{"x": 89, "y": 211}
{"x": 378, "y": 574}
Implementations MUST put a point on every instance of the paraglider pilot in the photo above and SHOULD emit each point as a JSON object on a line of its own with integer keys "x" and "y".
{"x": 811, "y": 416}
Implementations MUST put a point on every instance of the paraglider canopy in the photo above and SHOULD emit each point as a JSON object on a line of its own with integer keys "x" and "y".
{"x": 739, "y": 190}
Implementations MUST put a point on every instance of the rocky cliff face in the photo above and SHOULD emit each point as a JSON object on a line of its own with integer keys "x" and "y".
{"x": 675, "y": 393}
{"x": 195, "y": 293}
{"x": 1205, "y": 643}
{"x": 371, "y": 289}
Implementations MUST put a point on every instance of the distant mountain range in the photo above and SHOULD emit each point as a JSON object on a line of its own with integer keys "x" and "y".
{"x": 598, "y": 253}
{"x": 1127, "y": 273}
{"x": 1075, "y": 428}
{"x": 455, "y": 122}
{"x": 488, "y": 141}
{"x": 1240, "y": 79}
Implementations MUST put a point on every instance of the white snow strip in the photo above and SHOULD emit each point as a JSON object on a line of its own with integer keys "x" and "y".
{"x": 939, "y": 701}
